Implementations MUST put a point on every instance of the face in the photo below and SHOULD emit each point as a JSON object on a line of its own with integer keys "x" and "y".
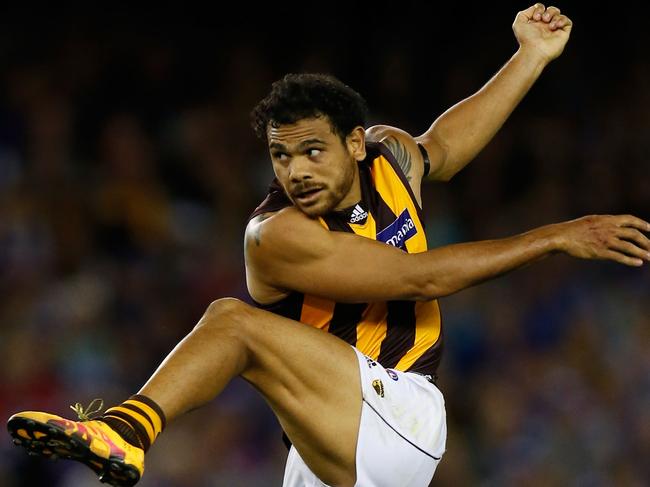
{"x": 316, "y": 168}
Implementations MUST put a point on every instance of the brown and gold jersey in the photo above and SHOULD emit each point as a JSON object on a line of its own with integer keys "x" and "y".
{"x": 403, "y": 335}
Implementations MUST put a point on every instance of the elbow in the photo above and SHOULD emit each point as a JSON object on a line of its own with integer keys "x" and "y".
{"x": 445, "y": 177}
{"x": 432, "y": 291}
{"x": 426, "y": 290}
{"x": 447, "y": 169}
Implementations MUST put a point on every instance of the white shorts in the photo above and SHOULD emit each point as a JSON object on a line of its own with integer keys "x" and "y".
{"x": 402, "y": 432}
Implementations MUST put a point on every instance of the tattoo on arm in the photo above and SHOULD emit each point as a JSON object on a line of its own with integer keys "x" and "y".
{"x": 257, "y": 232}
{"x": 402, "y": 155}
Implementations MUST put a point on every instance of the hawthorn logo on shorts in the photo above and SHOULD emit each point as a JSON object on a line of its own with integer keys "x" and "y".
{"x": 392, "y": 374}
{"x": 398, "y": 232}
{"x": 378, "y": 386}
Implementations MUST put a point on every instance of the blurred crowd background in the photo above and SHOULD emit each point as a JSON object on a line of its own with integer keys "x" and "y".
{"x": 128, "y": 170}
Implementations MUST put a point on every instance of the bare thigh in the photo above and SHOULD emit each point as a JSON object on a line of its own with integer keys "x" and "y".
{"x": 311, "y": 381}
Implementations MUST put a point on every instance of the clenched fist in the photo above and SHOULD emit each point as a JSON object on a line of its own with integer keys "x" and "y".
{"x": 542, "y": 29}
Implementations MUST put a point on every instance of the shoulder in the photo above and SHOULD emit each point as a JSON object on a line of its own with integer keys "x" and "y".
{"x": 282, "y": 232}
{"x": 276, "y": 245}
{"x": 376, "y": 133}
{"x": 392, "y": 136}
{"x": 405, "y": 150}
{"x": 403, "y": 147}
{"x": 266, "y": 238}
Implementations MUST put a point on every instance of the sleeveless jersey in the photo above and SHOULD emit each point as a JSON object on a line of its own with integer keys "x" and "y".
{"x": 402, "y": 335}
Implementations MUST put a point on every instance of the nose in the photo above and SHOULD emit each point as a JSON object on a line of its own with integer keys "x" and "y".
{"x": 300, "y": 169}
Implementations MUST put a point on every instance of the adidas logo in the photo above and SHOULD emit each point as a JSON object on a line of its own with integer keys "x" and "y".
{"x": 358, "y": 214}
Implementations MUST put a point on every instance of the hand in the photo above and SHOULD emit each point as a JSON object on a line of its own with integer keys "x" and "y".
{"x": 618, "y": 238}
{"x": 542, "y": 29}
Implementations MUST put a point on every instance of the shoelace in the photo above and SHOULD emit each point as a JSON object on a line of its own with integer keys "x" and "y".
{"x": 87, "y": 413}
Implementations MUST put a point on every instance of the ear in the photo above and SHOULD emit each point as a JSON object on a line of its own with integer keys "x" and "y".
{"x": 356, "y": 143}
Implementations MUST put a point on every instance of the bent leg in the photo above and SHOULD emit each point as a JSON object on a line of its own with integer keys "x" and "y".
{"x": 309, "y": 378}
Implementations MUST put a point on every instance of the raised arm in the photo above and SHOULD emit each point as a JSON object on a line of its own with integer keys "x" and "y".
{"x": 460, "y": 133}
{"x": 289, "y": 251}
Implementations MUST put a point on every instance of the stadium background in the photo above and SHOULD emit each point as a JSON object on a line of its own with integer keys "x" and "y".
{"x": 127, "y": 171}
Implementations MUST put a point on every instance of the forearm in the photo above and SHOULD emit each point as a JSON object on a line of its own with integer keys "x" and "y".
{"x": 452, "y": 268}
{"x": 468, "y": 126}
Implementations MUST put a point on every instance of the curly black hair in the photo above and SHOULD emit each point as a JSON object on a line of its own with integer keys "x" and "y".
{"x": 299, "y": 96}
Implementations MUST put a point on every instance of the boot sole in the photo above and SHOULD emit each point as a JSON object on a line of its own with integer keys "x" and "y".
{"x": 52, "y": 442}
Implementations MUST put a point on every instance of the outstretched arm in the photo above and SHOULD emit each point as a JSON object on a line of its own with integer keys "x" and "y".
{"x": 460, "y": 133}
{"x": 349, "y": 268}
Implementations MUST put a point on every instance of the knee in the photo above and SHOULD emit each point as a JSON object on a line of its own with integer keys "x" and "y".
{"x": 226, "y": 308}
{"x": 225, "y": 314}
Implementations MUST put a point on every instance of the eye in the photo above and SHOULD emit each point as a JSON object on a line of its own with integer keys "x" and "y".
{"x": 280, "y": 156}
{"x": 313, "y": 152}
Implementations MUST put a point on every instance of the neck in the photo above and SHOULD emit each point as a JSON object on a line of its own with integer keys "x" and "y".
{"x": 354, "y": 194}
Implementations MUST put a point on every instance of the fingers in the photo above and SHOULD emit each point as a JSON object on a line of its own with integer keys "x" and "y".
{"x": 633, "y": 235}
{"x": 634, "y": 222}
{"x": 630, "y": 247}
{"x": 622, "y": 258}
{"x": 538, "y": 11}
{"x": 627, "y": 248}
{"x": 551, "y": 16}
{"x": 560, "y": 22}
{"x": 533, "y": 13}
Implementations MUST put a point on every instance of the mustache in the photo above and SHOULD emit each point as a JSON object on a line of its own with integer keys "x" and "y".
{"x": 301, "y": 188}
